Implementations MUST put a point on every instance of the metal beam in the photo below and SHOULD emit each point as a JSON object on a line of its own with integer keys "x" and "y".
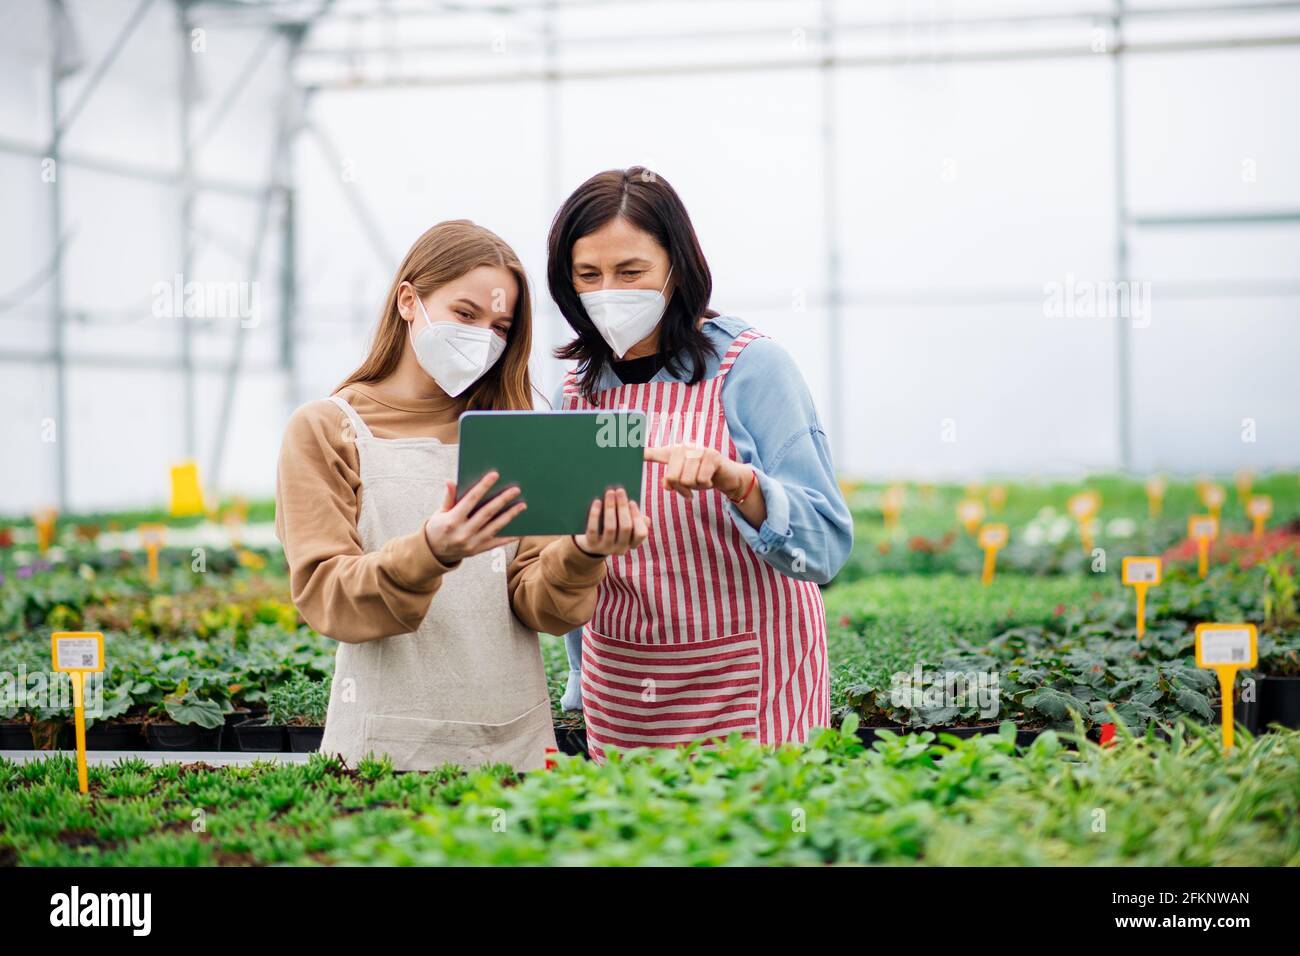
{"x": 830, "y": 231}
{"x": 101, "y": 70}
{"x": 552, "y": 104}
{"x": 368, "y": 224}
{"x": 1225, "y": 218}
{"x": 1123, "y": 347}
{"x": 786, "y": 64}
{"x": 63, "y": 433}
{"x": 286, "y": 125}
{"x": 189, "y": 406}
{"x": 161, "y": 363}
{"x": 242, "y": 78}
{"x": 112, "y": 167}
{"x": 605, "y": 41}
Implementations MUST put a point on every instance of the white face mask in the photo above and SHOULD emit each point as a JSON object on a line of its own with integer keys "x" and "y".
{"x": 455, "y": 355}
{"x": 623, "y": 317}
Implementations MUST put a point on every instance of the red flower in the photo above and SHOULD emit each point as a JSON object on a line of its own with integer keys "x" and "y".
{"x": 1058, "y": 610}
{"x": 845, "y": 620}
{"x": 1107, "y": 735}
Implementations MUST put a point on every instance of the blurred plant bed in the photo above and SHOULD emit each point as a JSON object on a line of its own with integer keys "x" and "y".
{"x": 73, "y": 599}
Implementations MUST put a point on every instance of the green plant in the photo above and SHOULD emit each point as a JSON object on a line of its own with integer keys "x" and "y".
{"x": 301, "y": 701}
{"x": 910, "y": 799}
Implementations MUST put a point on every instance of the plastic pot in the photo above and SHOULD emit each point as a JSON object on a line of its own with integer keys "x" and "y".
{"x": 183, "y": 737}
{"x": 257, "y": 736}
{"x": 1279, "y": 702}
{"x": 111, "y": 736}
{"x": 571, "y": 740}
{"x": 304, "y": 740}
{"x": 228, "y": 740}
{"x": 15, "y": 735}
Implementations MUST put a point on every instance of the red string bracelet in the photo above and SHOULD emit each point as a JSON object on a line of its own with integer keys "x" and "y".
{"x": 752, "y": 482}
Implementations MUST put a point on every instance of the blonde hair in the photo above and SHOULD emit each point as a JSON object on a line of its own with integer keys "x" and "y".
{"x": 446, "y": 252}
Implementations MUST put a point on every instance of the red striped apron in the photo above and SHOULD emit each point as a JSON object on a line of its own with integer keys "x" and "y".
{"x": 694, "y": 636}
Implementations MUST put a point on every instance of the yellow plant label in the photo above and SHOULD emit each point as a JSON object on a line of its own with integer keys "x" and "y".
{"x": 1140, "y": 571}
{"x": 1259, "y": 506}
{"x": 1226, "y": 648}
{"x": 187, "y": 496}
{"x": 1084, "y": 505}
{"x": 1226, "y": 645}
{"x": 970, "y": 513}
{"x": 77, "y": 651}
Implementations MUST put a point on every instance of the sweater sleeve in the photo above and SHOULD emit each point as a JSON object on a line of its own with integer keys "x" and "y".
{"x": 340, "y": 589}
{"x": 553, "y": 583}
{"x": 808, "y": 532}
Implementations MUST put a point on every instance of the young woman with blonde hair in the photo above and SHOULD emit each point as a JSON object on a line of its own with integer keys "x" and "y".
{"x": 436, "y": 615}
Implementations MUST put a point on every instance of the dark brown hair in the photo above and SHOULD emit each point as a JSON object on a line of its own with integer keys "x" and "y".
{"x": 645, "y": 200}
{"x": 445, "y": 252}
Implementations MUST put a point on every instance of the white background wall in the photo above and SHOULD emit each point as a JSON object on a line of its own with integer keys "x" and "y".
{"x": 961, "y": 190}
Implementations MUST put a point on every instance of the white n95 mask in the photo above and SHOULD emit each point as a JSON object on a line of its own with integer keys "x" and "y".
{"x": 455, "y": 355}
{"x": 623, "y": 317}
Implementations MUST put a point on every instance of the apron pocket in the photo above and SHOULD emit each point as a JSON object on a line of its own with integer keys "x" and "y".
{"x": 417, "y": 743}
{"x": 661, "y": 695}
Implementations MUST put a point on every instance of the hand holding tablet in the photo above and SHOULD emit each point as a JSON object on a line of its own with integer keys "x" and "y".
{"x": 568, "y": 467}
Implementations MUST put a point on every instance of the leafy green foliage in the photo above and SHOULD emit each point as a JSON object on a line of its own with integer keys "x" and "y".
{"x": 299, "y": 701}
{"x": 909, "y": 799}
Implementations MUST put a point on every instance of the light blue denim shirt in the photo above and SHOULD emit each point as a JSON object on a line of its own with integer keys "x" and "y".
{"x": 808, "y": 531}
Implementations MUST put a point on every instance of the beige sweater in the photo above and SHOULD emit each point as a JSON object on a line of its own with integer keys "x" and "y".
{"x": 353, "y": 595}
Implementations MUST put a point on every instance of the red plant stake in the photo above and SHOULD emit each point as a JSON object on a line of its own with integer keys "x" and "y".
{"x": 550, "y": 762}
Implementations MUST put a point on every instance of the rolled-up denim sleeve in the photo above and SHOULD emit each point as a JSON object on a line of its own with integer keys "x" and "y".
{"x": 808, "y": 531}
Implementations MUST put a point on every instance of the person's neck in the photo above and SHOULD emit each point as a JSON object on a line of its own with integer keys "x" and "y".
{"x": 410, "y": 383}
{"x": 650, "y": 344}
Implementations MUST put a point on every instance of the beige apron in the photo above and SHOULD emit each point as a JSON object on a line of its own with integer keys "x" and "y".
{"x": 468, "y": 687}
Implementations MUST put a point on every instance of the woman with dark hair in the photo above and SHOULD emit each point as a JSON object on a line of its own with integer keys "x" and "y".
{"x": 714, "y": 625}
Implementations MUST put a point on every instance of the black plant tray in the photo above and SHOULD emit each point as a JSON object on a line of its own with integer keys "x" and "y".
{"x": 111, "y": 736}
{"x": 16, "y": 735}
{"x": 183, "y": 737}
{"x": 304, "y": 740}
{"x": 257, "y": 736}
{"x": 1279, "y": 701}
{"x": 571, "y": 739}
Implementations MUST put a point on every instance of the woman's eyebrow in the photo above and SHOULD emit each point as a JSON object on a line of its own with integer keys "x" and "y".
{"x": 634, "y": 261}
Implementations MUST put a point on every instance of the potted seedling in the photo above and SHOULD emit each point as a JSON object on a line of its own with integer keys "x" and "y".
{"x": 185, "y": 721}
{"x": 105, "y": 732}
{"x": 254, "y": 732}
{"x": 299, "y": 707}
{"x": 571, "y": 734}
{"x": 1278, "y": 685}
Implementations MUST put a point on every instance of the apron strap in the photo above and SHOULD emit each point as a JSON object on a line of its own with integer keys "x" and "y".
{"x": 738, "y": 343}
{"x": 361, "y": 429}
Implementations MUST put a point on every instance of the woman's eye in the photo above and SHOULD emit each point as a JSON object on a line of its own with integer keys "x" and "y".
{"x": 504, "y": 332}
{"x": 632, "y": 276}
{"x": 466, "y": 316}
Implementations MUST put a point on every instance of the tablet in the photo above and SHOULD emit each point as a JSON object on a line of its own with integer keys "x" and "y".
{"x": 561, "y": 461}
